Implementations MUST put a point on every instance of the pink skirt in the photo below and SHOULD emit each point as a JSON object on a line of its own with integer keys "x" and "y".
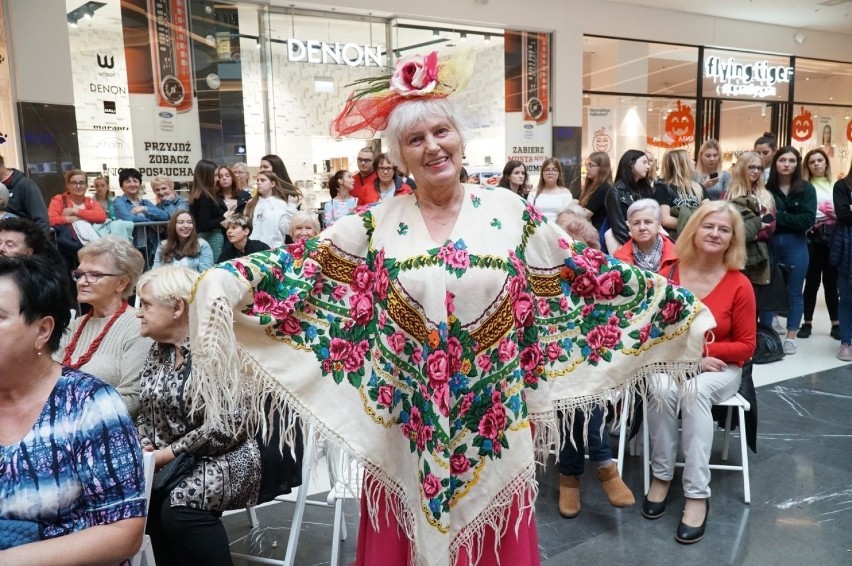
{"x": 389, "y": 547}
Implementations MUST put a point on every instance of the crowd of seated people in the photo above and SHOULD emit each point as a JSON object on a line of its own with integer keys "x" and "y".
{"x": 142, "y": 357}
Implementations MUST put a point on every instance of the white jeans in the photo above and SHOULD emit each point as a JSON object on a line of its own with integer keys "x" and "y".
{"x": 697, "y": 425}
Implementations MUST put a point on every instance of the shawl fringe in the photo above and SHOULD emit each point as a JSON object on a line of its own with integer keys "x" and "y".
{"x": 649, "y": 382}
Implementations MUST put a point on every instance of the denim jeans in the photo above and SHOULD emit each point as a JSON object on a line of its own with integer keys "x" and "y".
{"x": 792, "y": 250}
{"x": 844, "y": 311}
{"x": 572, "y": 460}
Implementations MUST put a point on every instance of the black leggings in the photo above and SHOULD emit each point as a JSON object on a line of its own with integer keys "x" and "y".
{"x": 182, "y": 536}
{"x": 820, "y": 268}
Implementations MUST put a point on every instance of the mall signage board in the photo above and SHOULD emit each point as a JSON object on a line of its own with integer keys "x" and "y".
{"x": 324, "y": 53}
{"x": 757, "y": 79}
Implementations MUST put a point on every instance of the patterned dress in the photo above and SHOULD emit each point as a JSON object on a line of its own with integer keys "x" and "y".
{"x": 227, "y": 469}
{"x": 79, "y": 466}
{"x": 429, "y": 361}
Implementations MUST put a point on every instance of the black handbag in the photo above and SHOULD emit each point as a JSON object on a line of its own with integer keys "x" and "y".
{"x": 773, "y": 296}
{"x": 769, "y": 348}
{"x": 171, "y": 474}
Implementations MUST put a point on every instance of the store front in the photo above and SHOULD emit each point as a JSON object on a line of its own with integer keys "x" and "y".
{"x": 160, "y": 84}
{"x": 659, "y": 96}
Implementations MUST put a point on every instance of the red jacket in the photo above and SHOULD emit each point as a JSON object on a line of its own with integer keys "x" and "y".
{"x": 667, "y": 262}
{"x": 91, "y": 211}
{"x": 371, "y": 194}
{"x": 361, "y": 183}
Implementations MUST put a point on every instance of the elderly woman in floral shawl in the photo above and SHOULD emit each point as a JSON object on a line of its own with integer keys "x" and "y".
{"x": 433, "y": 337}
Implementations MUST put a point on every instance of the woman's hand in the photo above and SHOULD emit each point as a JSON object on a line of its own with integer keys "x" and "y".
{"x": 709, "y": 363}
{"x": 710, "y": 182}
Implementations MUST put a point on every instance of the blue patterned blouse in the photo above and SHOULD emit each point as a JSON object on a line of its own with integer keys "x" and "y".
{"x": 79, "y": 466}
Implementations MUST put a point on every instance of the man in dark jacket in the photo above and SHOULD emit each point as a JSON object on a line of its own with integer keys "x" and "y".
{"x": 25, "y": 198}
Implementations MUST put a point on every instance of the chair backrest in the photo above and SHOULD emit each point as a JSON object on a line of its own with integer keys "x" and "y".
{"x": 148, "y": 461}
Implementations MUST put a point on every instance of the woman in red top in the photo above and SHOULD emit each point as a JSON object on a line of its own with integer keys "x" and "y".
{"x": 74, "y": 205}
{"x": 711, "y": 249}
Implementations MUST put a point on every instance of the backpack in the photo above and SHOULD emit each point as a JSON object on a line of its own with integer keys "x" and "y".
{"x": 769, "y": 348}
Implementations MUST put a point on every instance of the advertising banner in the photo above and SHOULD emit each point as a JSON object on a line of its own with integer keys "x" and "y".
{"x": 9, "y": 147}
{"x": 101, "y": 101}
{"x": 601, "y": 128}
{"x": 528, "y": 119}
{"x": 166, "y": 133}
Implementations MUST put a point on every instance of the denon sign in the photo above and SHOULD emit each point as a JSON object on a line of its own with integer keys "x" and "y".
{"x": 321, "y": 52}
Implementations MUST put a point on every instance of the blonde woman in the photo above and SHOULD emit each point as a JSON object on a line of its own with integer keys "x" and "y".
{"x": 709, "y": 168}
{"x": 679, "y": 193}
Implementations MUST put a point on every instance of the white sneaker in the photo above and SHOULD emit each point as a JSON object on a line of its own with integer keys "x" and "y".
{"x": 845, "y": 353}
{"x": 778, "y": 327}
{"x": 789, "y": 347}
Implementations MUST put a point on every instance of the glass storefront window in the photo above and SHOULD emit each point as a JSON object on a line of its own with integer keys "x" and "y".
{"x": 637, "y": 67}
{"x": 823, "y": 82}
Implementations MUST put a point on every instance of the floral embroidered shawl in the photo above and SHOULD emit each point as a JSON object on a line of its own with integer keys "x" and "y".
{"x": 429, "y": 362}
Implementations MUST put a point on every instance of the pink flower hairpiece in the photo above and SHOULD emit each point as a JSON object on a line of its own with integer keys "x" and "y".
{"x": 367, "y": 109}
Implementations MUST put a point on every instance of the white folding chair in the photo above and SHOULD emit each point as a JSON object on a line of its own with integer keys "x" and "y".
{"x": 348, "y": 477}
{"x": 298, "y": 513}
{"x": 742, "y": 406}
{"x": 146, "y": 551}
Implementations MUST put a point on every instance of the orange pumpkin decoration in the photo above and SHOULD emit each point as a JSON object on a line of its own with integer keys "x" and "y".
{"x": 849, "y": 131}
{"x": 680, "y": 124}
{"x": 601, "y": 141}
{"x": 803, "y": 126}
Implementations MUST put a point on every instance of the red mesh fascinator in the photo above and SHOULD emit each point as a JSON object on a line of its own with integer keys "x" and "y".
{"x": 367, "y": 109}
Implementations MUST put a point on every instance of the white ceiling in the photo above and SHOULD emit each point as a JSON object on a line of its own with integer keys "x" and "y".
{"x": 824, "y": 15}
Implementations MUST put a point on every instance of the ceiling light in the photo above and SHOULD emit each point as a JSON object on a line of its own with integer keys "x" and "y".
{"x": 800, "y": 38}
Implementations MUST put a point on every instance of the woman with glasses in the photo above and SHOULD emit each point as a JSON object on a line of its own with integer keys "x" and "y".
{"x": 551, "y": 196}
{"x": 105, "y": 342}
{"x": 76, "y": 214}
{"x": 73, "y": 205}
{"x": 598, "y": 182}
{"x": 388, "y": 182}
{"x": 748, "y": 194}
{"x": 242, "y": 176}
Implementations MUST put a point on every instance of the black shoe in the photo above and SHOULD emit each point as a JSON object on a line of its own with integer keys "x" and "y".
{"x": 690, "y": 535}
{"x": 653, "y": 509}
{"x": 835, "y": 331}
{"x": 805, "y": 331}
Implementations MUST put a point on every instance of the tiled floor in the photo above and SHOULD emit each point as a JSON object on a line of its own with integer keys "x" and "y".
{"x": 801, "y": 485}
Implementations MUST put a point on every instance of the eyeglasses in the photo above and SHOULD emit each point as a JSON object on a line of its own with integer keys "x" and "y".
{"x": 385, "y": 168}
{"x": 549, "y": 170}
{"x": 364, "y": 160}
{"x": 592, "y": 165}
{"x": 77, "y": 183}
{"x": 90, "y": 276}
{"x": 755, "y": 167}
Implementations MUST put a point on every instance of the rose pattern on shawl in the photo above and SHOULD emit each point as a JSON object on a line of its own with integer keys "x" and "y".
{"x": 453, "y": 401}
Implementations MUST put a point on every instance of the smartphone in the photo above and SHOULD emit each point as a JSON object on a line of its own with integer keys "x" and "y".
{"x": 768, "y": 219}
{"x": 714, "y": 175}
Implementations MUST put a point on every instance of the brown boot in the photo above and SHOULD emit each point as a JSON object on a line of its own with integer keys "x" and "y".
{"x": 617, "y": 492}
{"x": 569, "y": 496}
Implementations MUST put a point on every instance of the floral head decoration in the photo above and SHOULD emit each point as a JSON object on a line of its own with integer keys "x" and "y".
{"x": 417, "y": 76}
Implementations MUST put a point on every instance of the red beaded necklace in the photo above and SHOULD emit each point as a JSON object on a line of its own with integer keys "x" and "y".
{"x": 84, "y": 359}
